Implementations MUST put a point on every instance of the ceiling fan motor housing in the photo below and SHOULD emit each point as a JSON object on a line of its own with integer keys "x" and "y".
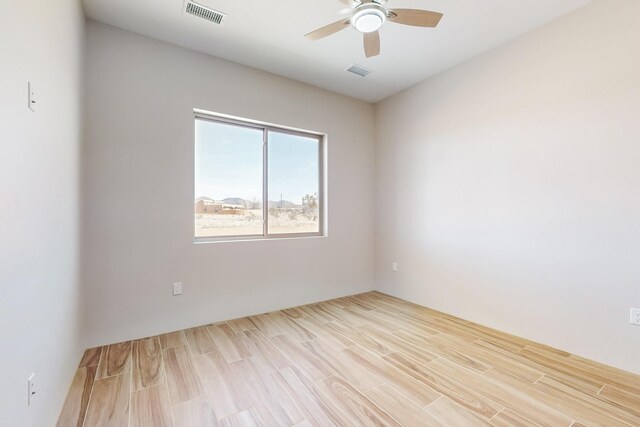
{"x": 357, "y": 3}
{"x": 369, "y": 16}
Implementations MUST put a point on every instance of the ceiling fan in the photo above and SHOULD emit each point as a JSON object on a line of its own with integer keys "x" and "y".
{"x": 367, "y": 16}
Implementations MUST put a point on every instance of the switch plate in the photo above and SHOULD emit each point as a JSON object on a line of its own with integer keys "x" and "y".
{"x": 635, "y": 316}
{"x": 177, "y": 289}
{"x": 31, "y": 98}
{"x": 31, "y": 389}
{"x": 394, "y": 267}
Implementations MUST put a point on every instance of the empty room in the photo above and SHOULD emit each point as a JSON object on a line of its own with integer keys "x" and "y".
{"x": 320, "y": 213}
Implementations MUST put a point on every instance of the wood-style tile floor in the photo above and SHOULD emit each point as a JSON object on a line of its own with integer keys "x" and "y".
{"x": 369, "y": 359}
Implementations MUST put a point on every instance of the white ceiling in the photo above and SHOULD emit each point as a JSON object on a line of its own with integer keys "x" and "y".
{"x": 268, "y": 35}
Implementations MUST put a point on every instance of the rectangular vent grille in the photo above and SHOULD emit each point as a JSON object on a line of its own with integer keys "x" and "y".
{"x": 204, "y": 12}
{"x": 358, "y": 70}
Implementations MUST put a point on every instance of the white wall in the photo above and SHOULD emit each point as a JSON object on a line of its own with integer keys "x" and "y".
{"x": 138, "y": 189}
{"x": 40, "y": 41}
{"x": 508, "y": 187}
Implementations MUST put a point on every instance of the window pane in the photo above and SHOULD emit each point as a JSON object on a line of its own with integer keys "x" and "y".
{"x": 228, "y": 180}
{"x": 293, "y": 184}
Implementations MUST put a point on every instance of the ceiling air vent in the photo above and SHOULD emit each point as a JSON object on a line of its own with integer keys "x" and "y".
{"x": 203, "y": 12}
{"x": 358, "y": 70}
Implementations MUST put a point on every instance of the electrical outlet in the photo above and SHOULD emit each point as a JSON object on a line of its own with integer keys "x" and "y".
{"x": 31, "y": 389}
{"x": 635, "y": 316}
{"x": 177, "y": 289}
{"x": 394, "y": 267}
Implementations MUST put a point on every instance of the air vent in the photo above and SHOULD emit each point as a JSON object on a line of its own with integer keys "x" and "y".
{"x": 203, "y": 12}
{"x": 358, "y": 70}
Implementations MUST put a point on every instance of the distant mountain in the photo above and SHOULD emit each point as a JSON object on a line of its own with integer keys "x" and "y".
{"x": 282, "y": 204}
{"x": 285, "y": 204}
{"x": 234, "y": 201}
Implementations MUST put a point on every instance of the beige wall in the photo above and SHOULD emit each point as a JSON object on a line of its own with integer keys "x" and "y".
{"x": 40, "y": 41}
{"x": 508, "y": 187}
{"x": 139, "y": 146}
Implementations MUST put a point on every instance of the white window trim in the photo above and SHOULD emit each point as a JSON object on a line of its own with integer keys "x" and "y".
{"x": 266, "y": 127}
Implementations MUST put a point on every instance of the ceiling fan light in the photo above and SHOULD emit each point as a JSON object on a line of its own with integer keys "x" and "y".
{"x": 369, "y": 20}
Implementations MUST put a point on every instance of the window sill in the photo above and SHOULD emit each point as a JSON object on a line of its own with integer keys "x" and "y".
{"x": 236, "y": 239}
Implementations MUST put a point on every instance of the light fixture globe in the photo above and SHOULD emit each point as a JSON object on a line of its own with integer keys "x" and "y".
{"x": 369, "y": 18}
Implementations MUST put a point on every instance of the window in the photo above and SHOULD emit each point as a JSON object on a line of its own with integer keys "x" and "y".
{"x": 256, "y": 181}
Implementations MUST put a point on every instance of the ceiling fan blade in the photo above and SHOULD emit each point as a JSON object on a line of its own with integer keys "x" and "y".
{"x": 415, "y": 17}
{"x": 327, "y": 30}
{"x": 372, "y": 44}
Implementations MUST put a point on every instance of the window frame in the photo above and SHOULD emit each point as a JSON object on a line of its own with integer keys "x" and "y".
{"x": 266, "y": 128}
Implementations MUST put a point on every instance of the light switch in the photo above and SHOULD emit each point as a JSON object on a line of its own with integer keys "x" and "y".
{"x": 31, "y": 97}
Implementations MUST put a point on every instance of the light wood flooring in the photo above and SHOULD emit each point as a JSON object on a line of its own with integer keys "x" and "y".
{"x": 368, "y": 359}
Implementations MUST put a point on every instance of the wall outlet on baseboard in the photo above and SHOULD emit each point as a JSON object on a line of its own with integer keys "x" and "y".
{"x": 177, "y": 289}
{"x": 394, "y": 267}
{"x": 31, "y": 389}
{"x": 635, "y": 316}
